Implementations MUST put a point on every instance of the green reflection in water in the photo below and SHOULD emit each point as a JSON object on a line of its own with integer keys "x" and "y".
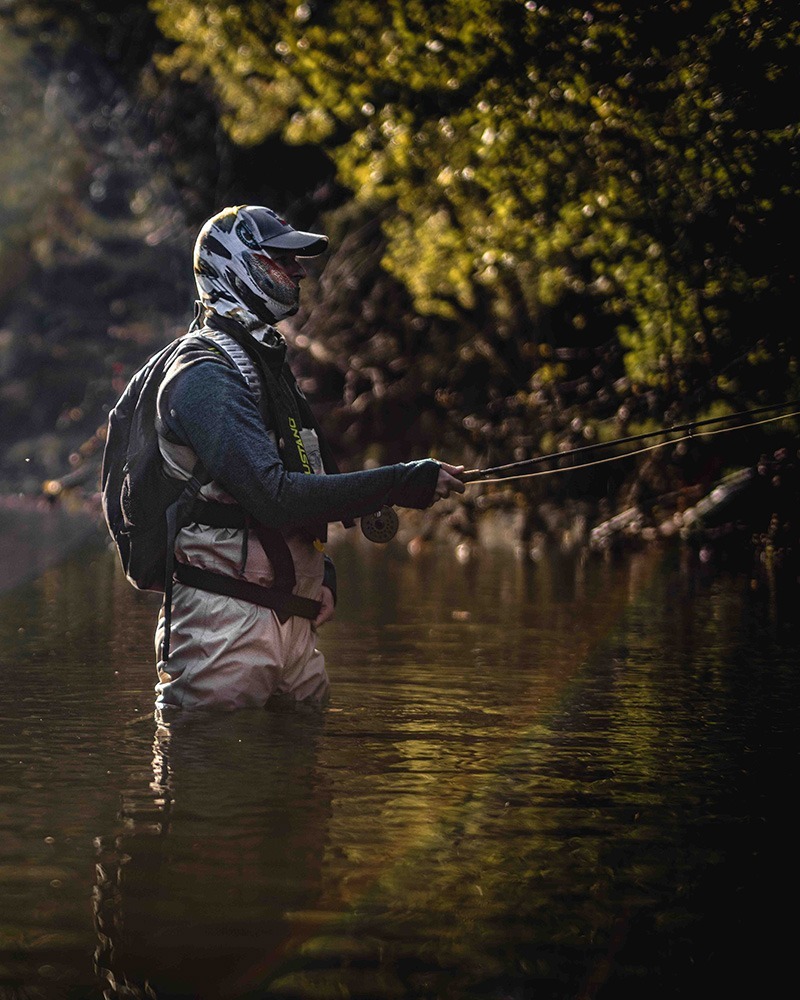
{"x": 556, "y": 780}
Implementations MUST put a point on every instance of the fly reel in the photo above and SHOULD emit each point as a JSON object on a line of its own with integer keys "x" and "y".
{"x": 381, "y": 526}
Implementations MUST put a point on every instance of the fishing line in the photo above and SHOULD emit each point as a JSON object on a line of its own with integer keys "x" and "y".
{"x": 382, "y": 526}
{"x": 618, "y": 458}
{"x": 481, "y": 475}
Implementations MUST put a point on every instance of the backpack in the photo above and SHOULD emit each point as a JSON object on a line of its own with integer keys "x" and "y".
{"x": 141, "y": 503}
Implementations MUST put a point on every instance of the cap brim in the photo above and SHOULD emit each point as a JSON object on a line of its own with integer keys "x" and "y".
{"x": 304, "y": 244}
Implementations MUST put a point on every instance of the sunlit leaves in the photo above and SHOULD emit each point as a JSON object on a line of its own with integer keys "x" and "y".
{"x": 626, "y": 154}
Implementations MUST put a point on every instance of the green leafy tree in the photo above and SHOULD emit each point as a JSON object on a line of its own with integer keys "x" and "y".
{"x": 89, "y": 223}
{"x": 560, "y": 173}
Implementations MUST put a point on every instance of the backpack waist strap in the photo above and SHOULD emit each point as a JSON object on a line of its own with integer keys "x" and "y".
{"x": 187, "y": 510}
{"x": 224, "y": 515}
{"x": 283, "y": 603}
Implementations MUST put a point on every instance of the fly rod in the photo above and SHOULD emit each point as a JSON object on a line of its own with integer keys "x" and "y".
{"x": 382, "y": 526}
{"x": 514, "y": 469}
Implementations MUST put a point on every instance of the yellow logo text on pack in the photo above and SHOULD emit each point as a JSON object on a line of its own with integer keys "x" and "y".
{"x": 300, "y": 447}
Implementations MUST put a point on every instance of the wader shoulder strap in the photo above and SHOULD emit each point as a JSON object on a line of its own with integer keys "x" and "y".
{"x": 176, "y": 515}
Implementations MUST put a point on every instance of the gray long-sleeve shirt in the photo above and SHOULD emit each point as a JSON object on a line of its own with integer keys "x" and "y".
{"x": 208, "y": 407}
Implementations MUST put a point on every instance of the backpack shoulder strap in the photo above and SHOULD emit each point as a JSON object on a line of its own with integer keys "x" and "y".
{"x": 237, "y": 355}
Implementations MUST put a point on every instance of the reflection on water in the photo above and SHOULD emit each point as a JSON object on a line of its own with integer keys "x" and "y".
{"x": 549, "y": 781}
{"x": 213, "y": 855}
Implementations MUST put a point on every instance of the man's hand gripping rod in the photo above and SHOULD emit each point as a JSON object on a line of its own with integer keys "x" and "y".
{"x": 382, "y": 526}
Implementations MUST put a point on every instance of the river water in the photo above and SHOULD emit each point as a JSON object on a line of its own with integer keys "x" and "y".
{"x": 556, "y": 780}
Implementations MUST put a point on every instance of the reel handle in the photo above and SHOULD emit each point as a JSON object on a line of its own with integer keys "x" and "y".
{"x": 380, "y": 527}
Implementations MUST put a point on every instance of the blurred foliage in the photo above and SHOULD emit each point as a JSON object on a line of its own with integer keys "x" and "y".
{"x": 632, "y": 166}
{"x": 549, "y": 224}
{"x": 588, "y": 211}
{"x": 88, "y": 242}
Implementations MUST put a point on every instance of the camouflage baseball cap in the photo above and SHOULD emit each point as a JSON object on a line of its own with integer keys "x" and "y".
{"x": 271, "y": 231}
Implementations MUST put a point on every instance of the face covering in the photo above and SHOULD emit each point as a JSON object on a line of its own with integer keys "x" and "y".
{"x": 235, "y": 272}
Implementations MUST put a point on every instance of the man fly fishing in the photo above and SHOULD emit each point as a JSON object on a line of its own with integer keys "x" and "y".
{"x": 248, "y": 581}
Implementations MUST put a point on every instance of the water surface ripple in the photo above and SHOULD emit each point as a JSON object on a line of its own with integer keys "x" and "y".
{"x": 557, "y": 781}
